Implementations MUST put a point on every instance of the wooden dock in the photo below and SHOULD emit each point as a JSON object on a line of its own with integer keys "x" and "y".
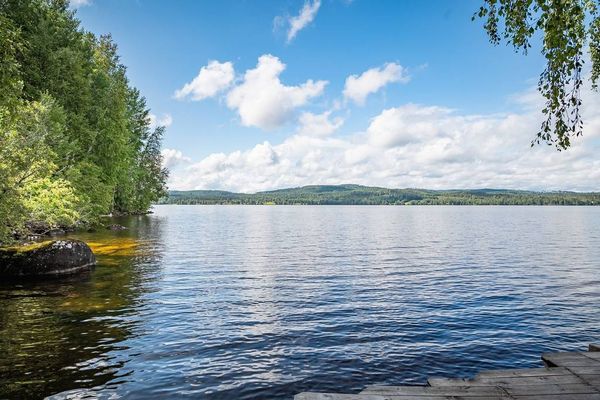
{"x": 566, "y": 376}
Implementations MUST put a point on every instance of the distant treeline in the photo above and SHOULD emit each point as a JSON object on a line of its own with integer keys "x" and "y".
{"x": 362, "y": 195}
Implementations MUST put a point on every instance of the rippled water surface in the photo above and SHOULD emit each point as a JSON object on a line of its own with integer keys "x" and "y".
{"x": 243, "y": 302}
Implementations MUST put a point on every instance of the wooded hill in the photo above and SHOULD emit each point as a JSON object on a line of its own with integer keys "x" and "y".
{"x": 364, "y": 195}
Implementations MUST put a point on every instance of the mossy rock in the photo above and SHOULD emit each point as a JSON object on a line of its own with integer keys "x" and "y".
{"x": 49, "y": 259}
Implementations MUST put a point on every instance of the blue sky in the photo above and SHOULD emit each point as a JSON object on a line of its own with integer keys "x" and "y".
{"x": 435, "y": 83}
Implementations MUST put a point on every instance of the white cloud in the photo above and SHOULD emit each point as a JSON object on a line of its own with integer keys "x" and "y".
{"x": 406, "y": 124}
{"x": 212, "y": 79}
{"x": 358, "y": 87}
{"x": 261, "y": 99}
{"x": 412, "y": 146}
{"x": 318, "y": 124}
{"x": 172, "y": 158}
{"x": 166, "y": 120}
{"x": 306, "y": 16}
{"x": 79, "y": 3}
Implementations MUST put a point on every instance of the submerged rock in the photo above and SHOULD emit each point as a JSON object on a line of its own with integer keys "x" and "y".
{"x": 116, "y": 227}
{"x": 46, "y": 260}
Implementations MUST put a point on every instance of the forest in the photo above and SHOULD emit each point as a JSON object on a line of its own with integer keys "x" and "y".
{"x": 76, "y": 141}
{"x": 364, "y": 195}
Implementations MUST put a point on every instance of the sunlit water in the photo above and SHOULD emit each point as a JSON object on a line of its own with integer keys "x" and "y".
{"x": 248, "y": 302}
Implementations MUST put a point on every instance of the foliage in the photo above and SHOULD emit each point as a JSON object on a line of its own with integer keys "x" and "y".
{"x": 567, "y": 26}
{"x": 363, "y": 195}
{"x": 75, "y": 137}
{"x": 52, "y": 201}
{"x": 145, "y": 180}
{"x": 25, "y": 159}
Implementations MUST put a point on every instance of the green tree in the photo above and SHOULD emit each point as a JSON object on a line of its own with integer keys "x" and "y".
{"x": 567, "y": 27}
{"x": 28, "y": 189}
{"x": 75, "y": 140}
{"x": 145, "y": 179}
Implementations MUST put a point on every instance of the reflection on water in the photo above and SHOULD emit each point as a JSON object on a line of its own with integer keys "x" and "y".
{"x": 57, "y": 336}
{"x": 263, "y": 302}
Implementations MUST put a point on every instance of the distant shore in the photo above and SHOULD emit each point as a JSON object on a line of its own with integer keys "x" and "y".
{"x": 365, "y": 195}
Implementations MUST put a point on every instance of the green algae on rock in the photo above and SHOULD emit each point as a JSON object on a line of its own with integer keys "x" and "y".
{"x": 46, "y": 260}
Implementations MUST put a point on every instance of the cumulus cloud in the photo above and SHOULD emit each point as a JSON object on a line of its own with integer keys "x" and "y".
{"x": 261, "y": 99}
{"x": 306, "y": 16}
{"x": 79, "y": 3}
{"x": 172, "y": 158}
{"x": 358, "y": 87}
{"x": 318, "y": 124}
{"x": 412, "y": 146}
{"x": 166, "y": 120}
{"x": 212, "y": 79}
{"x": 410, "y": 123}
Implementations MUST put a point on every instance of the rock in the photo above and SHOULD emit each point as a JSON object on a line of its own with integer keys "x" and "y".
{"x": 33, "y": 237}
{"x": 46, "y": 260}
{"x": 116, "y": 227}
{"x": 37, "y": 227}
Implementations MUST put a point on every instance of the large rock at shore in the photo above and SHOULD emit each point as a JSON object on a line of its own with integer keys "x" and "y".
{"x": 46, "y": 260}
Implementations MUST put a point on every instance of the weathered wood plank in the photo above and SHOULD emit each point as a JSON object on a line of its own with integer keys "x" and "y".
{"x": 334, "y": 396}
{"x": 524, "y": 372}
{"x": 594, "y": 347}
{"x": 570, "y": 388}
{"x": 338, "y": 396}
{"x": 506, "y": 381}
{"x": 572, "y": 359}
{"x": 581, "y": 396}
{"x": 529, "y": 380}
{"x": 462, "y": 391}
{"x": 592, "y": 380}
{"x": 437, "y": 381}
{"x": 469, "y": 391}
{"x": 584, "y": 370}
{"x": 516, "y": 390}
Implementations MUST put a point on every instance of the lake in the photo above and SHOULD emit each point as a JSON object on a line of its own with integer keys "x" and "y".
{"x": 262, "y": 302}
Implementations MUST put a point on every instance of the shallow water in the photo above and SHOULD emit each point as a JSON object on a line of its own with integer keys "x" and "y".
{"x": 247, "y": 302}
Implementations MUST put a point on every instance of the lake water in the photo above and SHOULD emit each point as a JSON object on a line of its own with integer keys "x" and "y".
{"x": 260, "y": 302}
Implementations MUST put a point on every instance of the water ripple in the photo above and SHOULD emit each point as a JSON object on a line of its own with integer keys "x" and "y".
{"x": 264, "y": 302}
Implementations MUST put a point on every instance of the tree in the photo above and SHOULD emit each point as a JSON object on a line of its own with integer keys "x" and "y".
{"x": 75, "y": 138}
{"x": 145, "y": 179}
{"x": 567, "y": 27}
{"x": 29, "y": 191}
